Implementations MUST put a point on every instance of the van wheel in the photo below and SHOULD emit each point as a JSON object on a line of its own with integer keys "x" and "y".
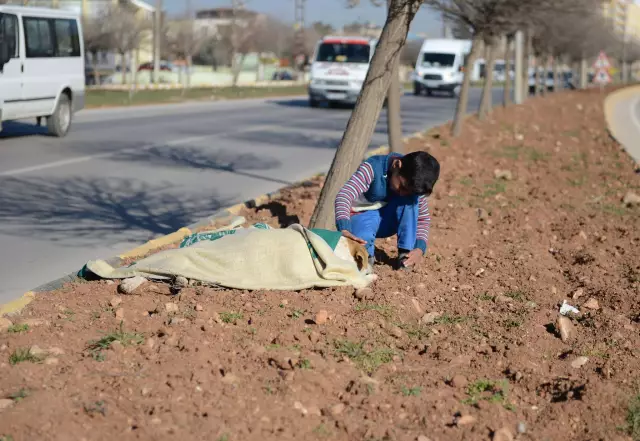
{"x": 59, "y": 123}
{"x": 417, "y": 88}
{"x": 429, "y": 92}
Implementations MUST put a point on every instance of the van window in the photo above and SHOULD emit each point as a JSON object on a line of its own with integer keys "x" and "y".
{"x": 67, "y": 39}
{"x": 430, "y": 59}
{"x": 344, "y": 53}
{"x": 39, "y": 38}
{"x": 47, "y": 38}
{"x": 9, "y": 24}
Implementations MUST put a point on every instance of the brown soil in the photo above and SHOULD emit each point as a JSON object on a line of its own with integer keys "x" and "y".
{"x": 233, "y": 365}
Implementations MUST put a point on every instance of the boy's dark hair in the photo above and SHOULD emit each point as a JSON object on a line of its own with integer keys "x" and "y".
{"x": 420, "y": 171}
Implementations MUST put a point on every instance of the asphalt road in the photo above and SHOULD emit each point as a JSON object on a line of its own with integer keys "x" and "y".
{"x": 124, "y": 176}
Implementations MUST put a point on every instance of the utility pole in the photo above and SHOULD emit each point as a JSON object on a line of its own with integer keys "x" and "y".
{"x": 157, "y": 25}
{"x": 299, "y": 51}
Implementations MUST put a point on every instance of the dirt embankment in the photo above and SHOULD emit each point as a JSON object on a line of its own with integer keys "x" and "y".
{"x": 467, "y": 347}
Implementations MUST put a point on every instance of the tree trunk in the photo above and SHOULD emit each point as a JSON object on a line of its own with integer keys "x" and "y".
{"x": 133, "y": 75}
{"x": 237, "y": 69}
{"x": 94, "y": 68}
{"x": 394, "y": 119}
{"x": 543, "y": 79}
{"x": 463, "y": 99}
{"x": 134, "y": 69}
{"x": 486, "y": 102}
{"x": 506, "y": 98}
{"x": 528, "y": 44}
{"x": 123, "y": 67}
{"x": 536, "y": 76}
{"x": 557, "y": 75}
{"x": 583, "y": 73}
{"x": 258, "y": 68}
{"x": 189, "y": 66}
{"x": 363, "y": 119}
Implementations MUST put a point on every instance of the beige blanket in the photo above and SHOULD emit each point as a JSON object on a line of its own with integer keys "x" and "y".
{"x": 280, "y": 259}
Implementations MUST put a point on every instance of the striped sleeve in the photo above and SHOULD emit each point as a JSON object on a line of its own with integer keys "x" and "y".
{"x": 424, "y": 222}
{"x": 355, "y": 186}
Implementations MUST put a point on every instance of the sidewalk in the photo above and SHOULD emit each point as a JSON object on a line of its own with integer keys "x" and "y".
{"x": 622, "y": 111}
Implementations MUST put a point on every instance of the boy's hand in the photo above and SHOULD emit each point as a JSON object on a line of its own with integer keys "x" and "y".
{"x": 413, "y": 258}
{"x": 348, "y": 235}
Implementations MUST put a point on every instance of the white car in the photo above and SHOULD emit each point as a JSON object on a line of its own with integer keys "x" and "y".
{"x": 42, "y": 72}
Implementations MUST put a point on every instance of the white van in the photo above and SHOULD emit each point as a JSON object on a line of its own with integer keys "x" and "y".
{"x": 338, "y": 69}
{"x": 440, "y": 66}
{"x": 41, "y": 66}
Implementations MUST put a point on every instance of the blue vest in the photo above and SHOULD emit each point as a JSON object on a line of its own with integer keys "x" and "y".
{"x": 379, "y": 189}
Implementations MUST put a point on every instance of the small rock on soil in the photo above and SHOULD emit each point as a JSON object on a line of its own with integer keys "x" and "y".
{"x": 565, "y": 328}
{"x": 321, "y": 317}
{"x": 128, "y": 286}
{"x": 5, "y": 324}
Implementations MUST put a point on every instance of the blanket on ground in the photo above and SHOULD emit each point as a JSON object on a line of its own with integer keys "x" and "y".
{"x": 292, "y": 258}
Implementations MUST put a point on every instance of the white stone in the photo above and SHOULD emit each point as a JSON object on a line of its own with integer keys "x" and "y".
{"x": 128, "y": 286}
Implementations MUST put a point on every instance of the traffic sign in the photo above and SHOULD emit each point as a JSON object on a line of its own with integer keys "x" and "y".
{"x": 602, "y": 77}
{"x": 602, "y": 62}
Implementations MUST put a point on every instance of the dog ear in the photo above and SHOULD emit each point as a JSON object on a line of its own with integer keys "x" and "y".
{"x": 361, "y": 256}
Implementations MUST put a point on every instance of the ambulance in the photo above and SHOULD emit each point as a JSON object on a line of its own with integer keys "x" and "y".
{"x": 338, "y": 69}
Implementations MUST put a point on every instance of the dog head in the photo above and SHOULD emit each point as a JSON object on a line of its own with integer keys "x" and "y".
{"x": 358, "y": 253}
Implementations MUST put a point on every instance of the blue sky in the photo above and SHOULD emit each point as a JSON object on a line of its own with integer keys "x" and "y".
{"x": 328, "y": 11}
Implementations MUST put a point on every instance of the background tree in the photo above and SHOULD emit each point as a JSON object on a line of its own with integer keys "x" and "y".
{"x": 357, "y": 135}
{"x": 125, "y": 32}
{"x": 96, "y": 42}
{"x": 322, "y": 29}
{"x": 240, "y": 37}
{"x": 185, "y": 40}
{"x": 508, "y": 52}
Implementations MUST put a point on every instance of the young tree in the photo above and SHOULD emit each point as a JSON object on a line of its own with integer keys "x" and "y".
{"x": 486, "y": 19}
{"x": 185, "y": 40}
{"x": 508, "y": 45}
{"x": 96, "y": 41}
{"x": 126, "y": 32}
{"x": 362, "y": 122}
{"x": 394, "y": 119}
{"x": 240, "y": 37}
{"x": 486, "y": 101}
{"x": 322, "y": 29}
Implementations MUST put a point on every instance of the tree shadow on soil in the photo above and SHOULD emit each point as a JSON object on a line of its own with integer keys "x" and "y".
{"x": 85, "y": 210}
{"x": 279, "y": 210}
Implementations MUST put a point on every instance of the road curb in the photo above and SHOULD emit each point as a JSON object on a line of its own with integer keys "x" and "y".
{"x": 610, "y": 103}
{"x": 16, "y": 305}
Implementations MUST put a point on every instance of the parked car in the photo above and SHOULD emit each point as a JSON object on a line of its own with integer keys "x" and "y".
{"x": 165, "y": 66}
{"x": 567, "y": 78}
{"x": 282, "y": 75}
